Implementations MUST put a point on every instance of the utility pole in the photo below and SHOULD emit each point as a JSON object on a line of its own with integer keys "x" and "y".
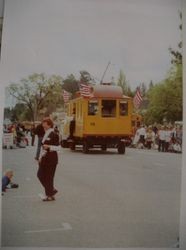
{"x": 105, "y": 72}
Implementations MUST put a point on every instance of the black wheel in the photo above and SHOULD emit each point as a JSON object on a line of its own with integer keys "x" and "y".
{"x": 121, "y": 148}
{"x": 64, "y": 144}
{"x": 103, "y": 147}
{"x": 72, "y": 145}
{"x": 85, "y": 147}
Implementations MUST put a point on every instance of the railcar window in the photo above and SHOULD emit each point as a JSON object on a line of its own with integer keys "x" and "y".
{"x": 123, "y": 108}
{"x": 92, "y": 107}
{"x": 108, "y": 108}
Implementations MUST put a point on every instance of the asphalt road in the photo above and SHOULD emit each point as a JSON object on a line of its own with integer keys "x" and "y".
{"x": 104, "y": 200}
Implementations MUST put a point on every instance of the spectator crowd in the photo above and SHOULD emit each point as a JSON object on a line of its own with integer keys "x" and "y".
{"x": 164, "y": 138}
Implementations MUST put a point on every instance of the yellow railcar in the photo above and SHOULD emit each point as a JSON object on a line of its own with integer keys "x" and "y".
{"x": 102, "y": 120}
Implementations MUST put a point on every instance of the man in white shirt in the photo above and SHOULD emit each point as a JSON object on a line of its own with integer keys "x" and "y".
{"x": 142, "y": 135}
{"x": 167, "y": 138}
{"x": 161, "y": 137}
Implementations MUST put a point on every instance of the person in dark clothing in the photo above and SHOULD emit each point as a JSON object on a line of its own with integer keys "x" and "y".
{"x": 72, "y": 125}
{"x": 39, "y": 131}
{"x": 72, "y": 128}
{"x": 155, "y": 130}
{"x": 48, "y": 159}
{"x": 20, "y": 134}
{"x": 56, "y": 130}
{"x": 32, "y": 133}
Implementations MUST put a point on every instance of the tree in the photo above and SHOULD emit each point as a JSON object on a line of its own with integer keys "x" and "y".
{"x": 70, "y": 84}
{"x": 177, "y": 54}
{"x": 122, "y": 82}
{"x": 20, "y": 113}
{"x": 165, "y": 102}
{"x": 165, "y": 98}
{"x": 143, "y": 89}
{"x": 36, "y": 92}
{"x": 151, "y": 85}
{"x": 85, "y": 77}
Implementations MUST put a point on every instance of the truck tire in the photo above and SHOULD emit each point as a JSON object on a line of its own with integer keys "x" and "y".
{"x": 72, "y": 145}
{"x": 121, "y": 148}
{"x": 85, "y": 147}
{"x": 104, "y": 147}
{"x": 64, "y": 144}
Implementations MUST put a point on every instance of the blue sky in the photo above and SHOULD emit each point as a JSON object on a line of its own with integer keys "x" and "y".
{"x": 66, "y": 36}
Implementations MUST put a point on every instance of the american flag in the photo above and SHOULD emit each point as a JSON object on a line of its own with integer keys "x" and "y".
{"x": 85, "y": 90}
{"x": 137, "y": 100}
{"x": 66, "y": 96}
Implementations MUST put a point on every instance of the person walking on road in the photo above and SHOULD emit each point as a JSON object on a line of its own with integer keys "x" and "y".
{"x": 39, "y": 131}
{"x": 48, "y": 159}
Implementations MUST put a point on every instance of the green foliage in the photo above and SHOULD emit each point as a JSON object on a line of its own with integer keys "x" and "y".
{"x": 122, "y": 82}
{"x": 165, "y": 99}
{"x": 143, "y": 89}
{"x": 36, "y": 92}
{"x": 177, "y": 54}
{"x": 70, "y": 84}
{"x": 151, "y": 85}
{"x": 19, "y": 113}
{"x": 86, "y": 77}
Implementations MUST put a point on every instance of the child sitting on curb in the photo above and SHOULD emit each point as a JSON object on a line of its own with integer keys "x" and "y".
{"x": 6, "y": 180}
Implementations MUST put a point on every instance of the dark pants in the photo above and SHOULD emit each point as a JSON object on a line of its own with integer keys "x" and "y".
{"x": 161, "y": 146}
{"x": 142, "y": 139}
{"x": 33, "y": 140}
{"x": 166, "y": 146}
{"x": 46, "y": 176}
{"x": 149, "y": 143}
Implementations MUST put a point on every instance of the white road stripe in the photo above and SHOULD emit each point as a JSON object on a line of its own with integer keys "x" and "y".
{"x": 65, "y": 226}
{"x": 128, "y": 157}
{"x": 146, "y": 152}
{"x": 159, "y": 164}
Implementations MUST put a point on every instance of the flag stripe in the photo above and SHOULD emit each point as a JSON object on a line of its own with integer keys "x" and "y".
{"x": 66, "y": 96}
{"x": 85, "y": 90}
{"x": 137, "y": 99}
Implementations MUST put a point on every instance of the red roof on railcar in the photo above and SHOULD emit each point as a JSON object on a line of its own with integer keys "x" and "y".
{"x": 107, "y": 91}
